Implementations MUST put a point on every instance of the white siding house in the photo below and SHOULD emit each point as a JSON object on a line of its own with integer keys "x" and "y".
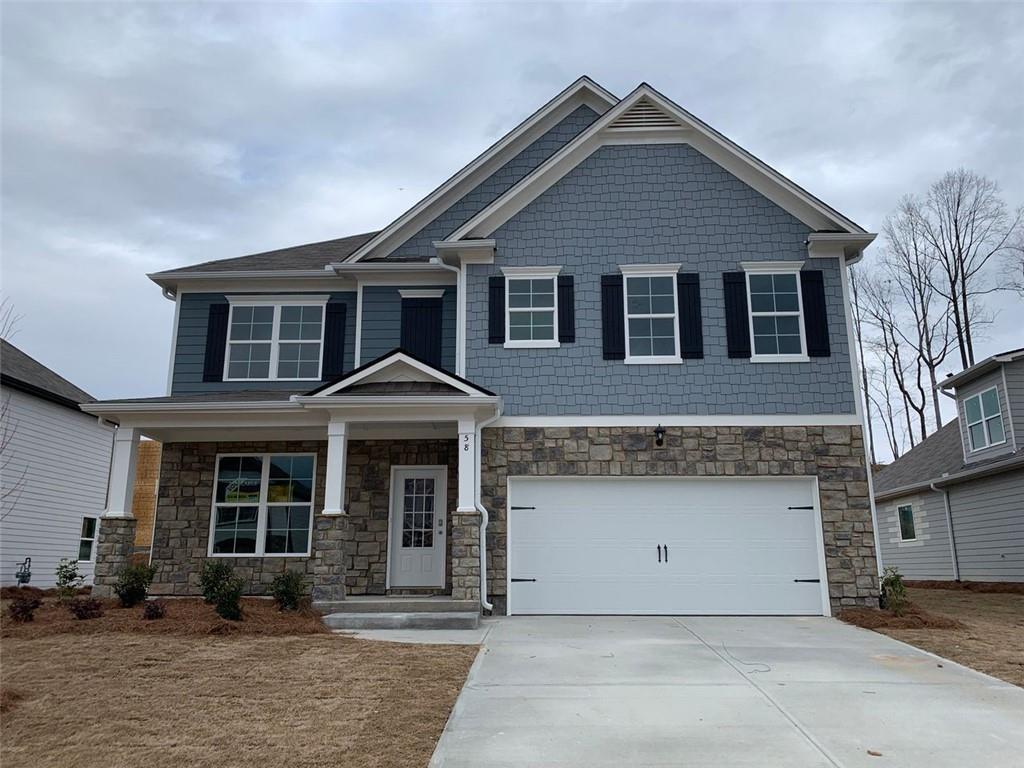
{"x": 54, "y": 471}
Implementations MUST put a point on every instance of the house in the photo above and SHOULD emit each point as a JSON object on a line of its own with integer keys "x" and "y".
{"x": 953, "y": 507}
{"x": 53, "y": 471}
{"x": 604, "y": 368}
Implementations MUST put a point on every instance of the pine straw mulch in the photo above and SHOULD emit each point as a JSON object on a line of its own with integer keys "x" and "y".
{"x": 120, "y": 699}
{"x": 991, "y": 587}
{"x": 914, "y": 617}
{"x": 185, "y": 616}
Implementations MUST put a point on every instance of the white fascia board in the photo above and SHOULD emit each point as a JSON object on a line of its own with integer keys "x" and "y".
{"x": 400, "y": 401}
{"x": 833, "y": 244}
{"x": 702, "y": 137}
{"x": 466, "y": 251}
{"x": 582, "y": 92}
{"x": 979, "y": 369}
{"x": 393, "y": 359}
{"x": 197, "y": 281}
{"x": 669, "y": 420}
{"x": 127, "y": 408}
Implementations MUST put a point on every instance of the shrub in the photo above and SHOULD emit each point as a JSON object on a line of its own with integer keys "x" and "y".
{"x": 288, "y": 590}
{"x": 213, "y": 577}
{"x": 68, "y": 579}
{"x": 23, "y": 608}
{"x": 85, "y": 608}
{"x": 154, "y": 609}
{"x": 893, "y": 596}
{"x": 228, "y": 603}
{"x": 133, "y": 583}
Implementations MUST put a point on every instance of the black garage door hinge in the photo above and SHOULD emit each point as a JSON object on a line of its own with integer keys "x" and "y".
{"x": 515, "y": 580}
{"x": 808, "y": 581}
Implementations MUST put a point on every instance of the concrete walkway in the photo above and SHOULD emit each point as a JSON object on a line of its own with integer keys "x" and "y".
{"x": 659, "y": 691}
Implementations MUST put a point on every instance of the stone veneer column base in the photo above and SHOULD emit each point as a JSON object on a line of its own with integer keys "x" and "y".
{"x": 464, "y": 531}
{"x": 331, "y": 535}
{"x": 115, "y": 542}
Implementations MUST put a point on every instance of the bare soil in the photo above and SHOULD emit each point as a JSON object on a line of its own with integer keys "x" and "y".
{"x": 1009, "y": 587}
{"x": 981, "y": 630}
{"x": 164, "y": 699}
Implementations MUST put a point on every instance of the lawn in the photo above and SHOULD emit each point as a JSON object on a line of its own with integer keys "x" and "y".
{"x": 143, "y": 696}
{"x": 988, "y": 631}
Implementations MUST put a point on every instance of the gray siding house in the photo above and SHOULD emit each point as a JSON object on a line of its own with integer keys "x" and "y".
{"x": 953, "y": 507}
{"x": 604, "y": 368}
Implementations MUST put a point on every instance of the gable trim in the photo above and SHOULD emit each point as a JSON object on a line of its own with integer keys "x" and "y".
{"x": 709, "y": 142}
{"x": 400, "y": 356}
{"x": 583, "y": 91}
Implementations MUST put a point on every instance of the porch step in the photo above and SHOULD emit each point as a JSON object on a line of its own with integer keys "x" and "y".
{"x": 404, "y": 620}
{"x": 433, "y": 604}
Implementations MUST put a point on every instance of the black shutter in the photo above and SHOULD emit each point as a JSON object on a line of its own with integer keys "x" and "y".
{"x": 334, "y": 340}
{"x": 613, "y": 323}
{"x": 812, "y": 286}
{"x": 566, "y": 310}
{"x": 496, "y": 319}
{"x": 421, "y": 329}
{"x": 737, "y": 321}
{"x": 216, "y": 340}
{"x": 691, "y": 334}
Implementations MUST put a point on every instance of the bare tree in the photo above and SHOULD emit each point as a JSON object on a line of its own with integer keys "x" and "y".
{"x": 880, "y": 398}
{"x": 966, "y": 223}
{"x": 1013, "y": 265}
{"x": 911, "y": 267}
{"x": 11, "y": 479}
{"x": 858, "y": 329}
{"x": 9, "y": 319}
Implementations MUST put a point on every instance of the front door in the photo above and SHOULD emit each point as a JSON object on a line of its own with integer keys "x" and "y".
{"x": 418, "y": 519}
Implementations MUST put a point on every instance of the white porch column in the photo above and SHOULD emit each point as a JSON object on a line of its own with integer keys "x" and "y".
{"x": 467, "y": 466}
{"x": 121, "y": 485}
{"x": 337, "y": 453}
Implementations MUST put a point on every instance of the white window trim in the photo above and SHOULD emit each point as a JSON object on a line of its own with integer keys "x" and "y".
{"x": 421, "y": 293}
{"x": 275, "y": 342}
{"x": 651, "y": 270}
{"x": 899, "y": 521}
{"x": 81, "y": 538}
{"x": 532, "y": 273}
{"x": 776, "y": 268}
{"x": 984, "y": 420}
{"x": 262, "y": 508}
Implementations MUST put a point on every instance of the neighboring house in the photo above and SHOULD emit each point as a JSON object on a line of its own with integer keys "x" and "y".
{"x": 55, "y": 461}
{"x": 953, "y": 507}
{"x": 604, "y": 368}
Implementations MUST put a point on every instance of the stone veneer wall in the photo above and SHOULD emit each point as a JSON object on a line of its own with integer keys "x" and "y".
{"x": 115, "y": 541}
{"x": 834, "y": 454}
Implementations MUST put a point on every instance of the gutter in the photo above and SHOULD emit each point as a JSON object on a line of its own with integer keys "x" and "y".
{"x": 460, "y": 314}
{"x": 485, "y": 517}
{"x": 952, "y": 535}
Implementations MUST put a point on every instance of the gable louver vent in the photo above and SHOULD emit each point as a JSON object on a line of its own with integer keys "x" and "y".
{"x": 644, "y": 114}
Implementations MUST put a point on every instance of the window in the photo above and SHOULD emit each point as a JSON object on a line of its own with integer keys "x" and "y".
{"x": 85, "y": 543}
{"x": 275, "y": 339}
{"x": 263, "y": 505}
{"x": 531, "y": 307}
{"x": 984, "y": 419}
{"x": 906, "y": 516}
{"x": 652, "y": 326}
{"x": 776, "y": 323}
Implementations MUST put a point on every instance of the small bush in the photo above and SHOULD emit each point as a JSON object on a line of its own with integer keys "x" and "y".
{"x": 893, "y": 596}
{"x": 68, "y": 579}
{"x": 288, "y": 590}
{"x": 133, "y": 584}
{"x": 229, "y": 600}
{"x": 154, "y": 609}
{"x": 85, "y": 608}
{"x": 23, "y": 608}
{"x": 213, "y": 577}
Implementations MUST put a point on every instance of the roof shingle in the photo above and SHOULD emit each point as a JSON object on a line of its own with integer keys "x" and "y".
{"x": 21, "y": 369}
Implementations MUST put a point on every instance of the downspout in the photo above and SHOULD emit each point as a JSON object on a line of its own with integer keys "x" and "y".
{"x": 460, "y": 314}
{"x": 485, "y": 517}
{"x": 952, "y": 534}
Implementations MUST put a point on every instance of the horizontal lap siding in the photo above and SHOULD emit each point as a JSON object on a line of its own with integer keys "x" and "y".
{"x": 382, "y": 322}
{"x": 1014, "y": 373}
{"x": 64, "y": 458}
{"x": 988, "y": 520}
{"x": 929, "y": 556}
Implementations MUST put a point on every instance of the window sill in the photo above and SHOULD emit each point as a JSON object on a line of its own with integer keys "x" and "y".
{"x": 256, "y": 554}
{"x": 665, "y": 360}
{"x": 264, "y": 381}
{"x": 780, "y": 359}
{"x": 990, "y": 445}
{"x": 532, "y": 344}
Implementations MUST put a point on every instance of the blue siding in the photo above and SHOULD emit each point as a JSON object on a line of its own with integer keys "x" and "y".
{"x": 190, "y": 348}
{"x": 382, "y": 322}
{"x": 653, "y": 204}
{"x": 420, "y": 245}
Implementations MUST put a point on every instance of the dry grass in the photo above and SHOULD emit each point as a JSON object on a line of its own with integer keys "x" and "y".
{"x": 167, "y": 700}
{"x": 987, "y": 634}
{"x": 184, "y": 617}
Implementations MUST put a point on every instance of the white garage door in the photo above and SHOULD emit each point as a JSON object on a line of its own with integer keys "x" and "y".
{"x": 665, "y": 546}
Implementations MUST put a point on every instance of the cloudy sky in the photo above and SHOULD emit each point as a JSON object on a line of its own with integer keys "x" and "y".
{"x": 142, "y": 137}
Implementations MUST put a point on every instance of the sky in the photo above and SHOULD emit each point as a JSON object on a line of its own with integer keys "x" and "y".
{"x": 140, "y": 137}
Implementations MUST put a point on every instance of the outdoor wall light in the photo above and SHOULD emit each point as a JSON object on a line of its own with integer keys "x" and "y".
{"x": 659, "y": 435}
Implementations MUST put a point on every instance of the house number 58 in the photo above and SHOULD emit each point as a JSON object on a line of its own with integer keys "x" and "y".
{"x": 465, "y": 442}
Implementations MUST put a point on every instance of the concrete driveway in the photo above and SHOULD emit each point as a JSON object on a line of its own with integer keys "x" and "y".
{"x": 660, "y": 691}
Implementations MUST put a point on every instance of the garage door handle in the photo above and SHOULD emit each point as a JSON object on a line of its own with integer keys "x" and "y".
{"x": 808, "y": 581}
{"x": 515, "y": 580}
{"x": 799, "y": 507}
{"x": 666, "y": 553}
{"x": 659, "y": 553}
